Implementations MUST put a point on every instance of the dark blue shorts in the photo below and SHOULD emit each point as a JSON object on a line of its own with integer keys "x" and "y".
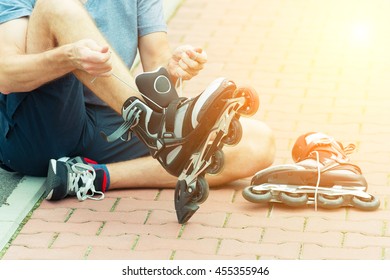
{"x": 54, "y": 121}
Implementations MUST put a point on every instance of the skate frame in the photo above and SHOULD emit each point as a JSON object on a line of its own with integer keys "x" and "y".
{"x": 201, "y": 160}
{"x": 336, "y": 190}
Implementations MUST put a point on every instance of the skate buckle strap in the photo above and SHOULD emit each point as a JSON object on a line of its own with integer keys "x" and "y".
{"x": 171, "y": 116}
{"x": 132, "y": 122}
{"x": 131, "y": 114}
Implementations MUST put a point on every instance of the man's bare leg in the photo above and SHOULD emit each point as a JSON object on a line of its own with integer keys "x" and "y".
{"x": 55, "y": 22}
{"x": 254, "y": 152}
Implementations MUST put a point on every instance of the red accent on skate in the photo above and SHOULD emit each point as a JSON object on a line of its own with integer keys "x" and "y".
{"x": 90, "y": 161}
{"x": 104, "y": 183}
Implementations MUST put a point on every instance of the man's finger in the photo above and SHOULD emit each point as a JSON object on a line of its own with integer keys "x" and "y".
{"x": 197, "y": 55}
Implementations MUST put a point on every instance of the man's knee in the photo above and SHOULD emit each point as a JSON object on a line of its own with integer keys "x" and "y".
{"x": 269, "y": 145}
{"x": 48, "y": 22}
{"x": 260, "y": 142}
{"x": 50, "y": 9}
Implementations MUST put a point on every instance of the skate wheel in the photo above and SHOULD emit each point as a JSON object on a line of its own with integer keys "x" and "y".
{"x": 256, "y": 196}
{"x": 252, "y": 102}
{"x": 293, "y": 200}
{"x": 201, "y": 191}
{"x": 330, "y": 201}
{"x": 235, "y": 133}
{"x": 217, "y": 163}
{"x": 366, "y": 204}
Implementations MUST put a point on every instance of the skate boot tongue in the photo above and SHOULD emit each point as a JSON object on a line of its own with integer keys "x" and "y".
{"x": 156, "y": 88}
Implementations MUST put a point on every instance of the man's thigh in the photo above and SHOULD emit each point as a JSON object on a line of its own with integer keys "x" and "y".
{"x": 49, "y": 122}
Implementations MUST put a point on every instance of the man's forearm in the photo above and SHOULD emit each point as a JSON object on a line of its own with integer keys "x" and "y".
{"x": 25, "y": 72}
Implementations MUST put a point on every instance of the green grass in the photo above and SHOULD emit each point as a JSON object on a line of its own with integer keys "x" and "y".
{"x": 21, "y": 225}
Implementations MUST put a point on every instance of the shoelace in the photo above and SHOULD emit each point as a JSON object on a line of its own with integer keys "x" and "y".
{"x": 179, "y": 86}
{"x": 318, "y": 180}
{"x": 347, "y": 150}
{"x": 87, "y": 175}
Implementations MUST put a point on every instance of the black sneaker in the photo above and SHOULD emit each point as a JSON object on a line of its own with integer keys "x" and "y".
{"x": 71, "y": 176}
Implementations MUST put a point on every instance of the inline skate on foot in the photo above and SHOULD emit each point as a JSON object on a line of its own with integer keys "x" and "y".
{"x": 186, "y": 135}
{"x": 322, "y": 176}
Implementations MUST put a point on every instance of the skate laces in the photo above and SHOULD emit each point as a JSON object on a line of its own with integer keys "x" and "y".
{"x": 339, "y": 156}
{"x": 318, "y": 179}
{"x": 179, "y": 86}
{"x": 349, "y": 149}
{"x": 131, "y": 87}
{"x": 339, "y": 152}
{"x": 87, "y": 175}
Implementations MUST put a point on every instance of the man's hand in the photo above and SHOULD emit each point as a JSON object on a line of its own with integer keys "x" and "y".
{"x": 186, "y": 62}
{"x": 90, "y": 57}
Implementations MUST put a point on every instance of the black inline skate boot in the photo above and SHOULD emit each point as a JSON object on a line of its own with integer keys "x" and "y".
{"x": 186, "y": 135}
{"x": 322, "y": 175}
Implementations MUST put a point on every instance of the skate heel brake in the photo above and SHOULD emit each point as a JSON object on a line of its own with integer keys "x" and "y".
{"x": 185, "y": 202}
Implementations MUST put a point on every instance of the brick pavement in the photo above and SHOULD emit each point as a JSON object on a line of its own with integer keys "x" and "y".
{"x": 318, "y": 66}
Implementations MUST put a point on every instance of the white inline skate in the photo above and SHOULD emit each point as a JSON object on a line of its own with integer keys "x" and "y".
{"x": 322, "y": 176}
{"x": 186, "y": 135}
